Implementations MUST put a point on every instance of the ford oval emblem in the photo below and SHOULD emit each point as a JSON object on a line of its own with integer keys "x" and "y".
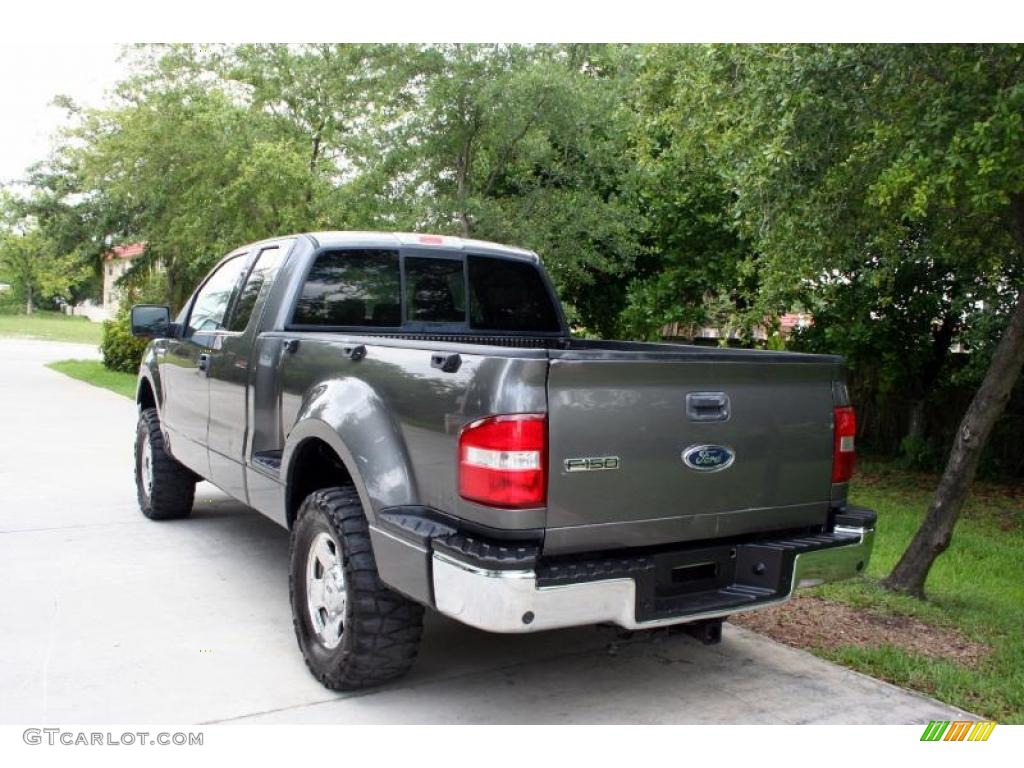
{"x": 708, "y": 458}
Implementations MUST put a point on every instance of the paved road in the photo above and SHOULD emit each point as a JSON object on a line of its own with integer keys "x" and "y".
{"x": 107, "y": 617}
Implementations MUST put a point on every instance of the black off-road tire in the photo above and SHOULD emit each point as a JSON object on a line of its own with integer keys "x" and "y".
{"x": 174, "y": 485}
{"x": 381, "y": 629}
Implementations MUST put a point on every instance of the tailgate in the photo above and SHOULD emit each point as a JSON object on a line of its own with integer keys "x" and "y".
{"x": 758, "y": 435}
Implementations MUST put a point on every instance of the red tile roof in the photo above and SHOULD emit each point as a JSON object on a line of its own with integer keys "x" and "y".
{"x": 792, "y": 320}
{"x": 128, "y": 251}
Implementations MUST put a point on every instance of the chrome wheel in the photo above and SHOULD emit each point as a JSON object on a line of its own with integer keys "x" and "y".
{"x": 325, "y": 589}
{"x": 146, "y": 469}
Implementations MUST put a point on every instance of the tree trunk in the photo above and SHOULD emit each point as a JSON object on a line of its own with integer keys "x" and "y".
{"x": 462, "y": 186}
{"x": 942, "y": 337}
{"x": 314, "y": 158}
{"x": 934, "y": 535}
{"x": 463, "y": 168}
{"x": 29, "y": 305}
{"x": 171, "y": 287}
{"x": 915, "y": 424}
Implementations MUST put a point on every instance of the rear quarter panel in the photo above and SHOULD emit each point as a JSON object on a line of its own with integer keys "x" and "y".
{"x": 399, "y": 419}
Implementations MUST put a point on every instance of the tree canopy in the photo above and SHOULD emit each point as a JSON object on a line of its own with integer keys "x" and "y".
{"x": 878, "y": 187}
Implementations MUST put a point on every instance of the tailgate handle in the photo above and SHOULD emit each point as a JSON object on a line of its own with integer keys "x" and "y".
{"x": 707, "y": 406}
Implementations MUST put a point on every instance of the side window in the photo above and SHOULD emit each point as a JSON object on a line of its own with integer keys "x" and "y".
{"x": 435, "y": 290}
{"x": 261, "y": 274}
{"x": 213, "y": 298}
{"x": 355, "y": 287}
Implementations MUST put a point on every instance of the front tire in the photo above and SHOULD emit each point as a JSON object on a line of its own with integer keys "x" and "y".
{"x": 165, "y": 488}
{"x": 353, "y": 631}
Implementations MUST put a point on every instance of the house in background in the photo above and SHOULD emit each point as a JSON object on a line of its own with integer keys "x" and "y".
{"x": 788, "y": 323}
{"x": 116, "y": 262}
{"x": 794, "y": 321}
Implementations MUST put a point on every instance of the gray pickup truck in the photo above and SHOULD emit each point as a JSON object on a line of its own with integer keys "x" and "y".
{"x": 415, "y": 411}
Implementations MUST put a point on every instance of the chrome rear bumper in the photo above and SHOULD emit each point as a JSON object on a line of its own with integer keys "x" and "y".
{"x": 512, "y": 600}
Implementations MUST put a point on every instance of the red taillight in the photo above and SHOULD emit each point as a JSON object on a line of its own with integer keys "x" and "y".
{"x": 503, "y": 461}
{"x": 844, "y": 455}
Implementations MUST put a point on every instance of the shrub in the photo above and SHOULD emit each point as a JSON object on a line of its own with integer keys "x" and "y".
{"x": 121, "y": 350}
{"x": 11, "y": 302}
{"x": 918, "y": 453}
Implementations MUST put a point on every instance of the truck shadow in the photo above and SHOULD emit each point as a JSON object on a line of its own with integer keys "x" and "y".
{"x": 567, "y": 669}
{"x": 585, "y": 674}
{"x": 211, "y": 503}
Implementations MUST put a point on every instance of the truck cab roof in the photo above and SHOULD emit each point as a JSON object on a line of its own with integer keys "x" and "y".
{"x": 357, "y": 239}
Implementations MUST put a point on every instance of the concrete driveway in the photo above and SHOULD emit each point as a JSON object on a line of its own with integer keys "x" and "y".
{"x": 108, "y": 617}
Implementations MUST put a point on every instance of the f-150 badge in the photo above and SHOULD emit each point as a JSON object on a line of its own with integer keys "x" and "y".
{"x": 592, "y": 464}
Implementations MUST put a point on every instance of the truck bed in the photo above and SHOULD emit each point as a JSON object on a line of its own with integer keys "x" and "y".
{"x": 625, "y": 400}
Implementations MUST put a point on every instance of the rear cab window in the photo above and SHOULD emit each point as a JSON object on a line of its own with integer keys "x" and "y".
{"x": 435, "y": 290}
{"x": 415, "y": 291}
{"x": 352, "y": 288}
{"x": 510, "y": 296}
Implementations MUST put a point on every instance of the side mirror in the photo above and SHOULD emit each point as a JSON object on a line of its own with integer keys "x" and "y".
{"x": 150, "y": 321}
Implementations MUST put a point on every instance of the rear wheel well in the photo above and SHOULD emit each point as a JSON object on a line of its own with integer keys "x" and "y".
{"x": 314, "y": 465}
{"x": 145, "y": 398}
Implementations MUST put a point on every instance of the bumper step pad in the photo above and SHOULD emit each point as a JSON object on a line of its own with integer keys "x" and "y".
{"x": 698, "y": 580}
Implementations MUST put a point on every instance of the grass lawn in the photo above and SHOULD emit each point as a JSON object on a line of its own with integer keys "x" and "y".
{"x": 93, "y": 372}
{"x": 975, "y": 588}
{"x": 53, "y": 326}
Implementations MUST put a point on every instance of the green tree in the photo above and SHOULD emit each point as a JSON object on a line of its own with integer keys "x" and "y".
{"x": 34, "y": 268}
{"x": 846, "y": 159}
{"x": 31, "y": 262}
{"x": 894, "y": 316}
{"x": 332, "y": 101}
{"x": 68, "y": 217}
{"x": 187, "y": 168}
{"x": 694, "y": 263}
{"x": 524, "y": 145}
{"x": 210, "y": 146}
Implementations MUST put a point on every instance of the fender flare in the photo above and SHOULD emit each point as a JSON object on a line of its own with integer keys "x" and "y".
{"x": 149, "y": 373}
{"x": 347, "y": 415}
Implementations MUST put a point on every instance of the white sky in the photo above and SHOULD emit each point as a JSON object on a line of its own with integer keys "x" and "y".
{"x": 30, "y": 76}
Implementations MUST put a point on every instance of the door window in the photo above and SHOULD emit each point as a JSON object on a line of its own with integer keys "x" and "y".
{"x": 212, "y": 301}
{"x": 262, "y": 273}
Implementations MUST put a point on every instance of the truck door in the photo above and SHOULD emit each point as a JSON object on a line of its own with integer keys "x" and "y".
{"x": 185, "y": 367}
{"x": 229, "y": 372}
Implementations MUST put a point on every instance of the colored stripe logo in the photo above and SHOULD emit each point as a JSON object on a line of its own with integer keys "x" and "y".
{"x": 958, "y": 730}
